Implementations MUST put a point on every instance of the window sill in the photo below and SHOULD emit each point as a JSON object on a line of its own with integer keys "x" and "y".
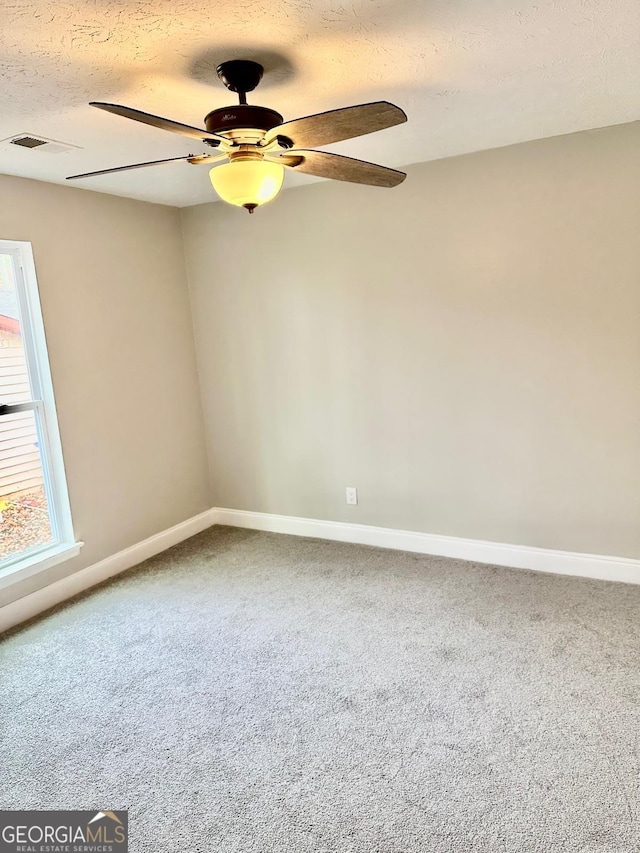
{"x": 43, "y": 559}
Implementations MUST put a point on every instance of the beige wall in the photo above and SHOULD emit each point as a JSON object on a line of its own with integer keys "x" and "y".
{"x": 465, "y": 349}
{"x": 117, "y": 318}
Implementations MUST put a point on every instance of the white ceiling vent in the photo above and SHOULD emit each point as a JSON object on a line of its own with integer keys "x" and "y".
{"x": 34, "y": 142}
{"x": 28, "y": 141}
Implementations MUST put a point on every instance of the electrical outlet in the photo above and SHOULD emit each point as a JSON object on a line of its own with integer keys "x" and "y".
{"x": 352, "y": 496}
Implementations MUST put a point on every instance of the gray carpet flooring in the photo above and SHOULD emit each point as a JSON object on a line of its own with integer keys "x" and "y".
{"x": 253, "y": 692}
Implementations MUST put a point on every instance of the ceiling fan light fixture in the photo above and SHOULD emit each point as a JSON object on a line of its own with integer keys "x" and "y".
{"x": 247, "y": 183}
{"x": 260, "y": 145}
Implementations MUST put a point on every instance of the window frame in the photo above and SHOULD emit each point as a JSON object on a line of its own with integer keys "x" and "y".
{"x": 42, "y": 403}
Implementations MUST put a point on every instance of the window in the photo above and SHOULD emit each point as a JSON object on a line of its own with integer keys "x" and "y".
{"x": 35, "y": 519}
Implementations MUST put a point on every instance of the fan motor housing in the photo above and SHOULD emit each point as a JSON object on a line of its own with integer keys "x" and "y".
{"x": 240, "y": 116}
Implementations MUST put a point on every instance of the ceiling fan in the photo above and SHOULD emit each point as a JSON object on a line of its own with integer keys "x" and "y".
{"x": 259, "y": 145}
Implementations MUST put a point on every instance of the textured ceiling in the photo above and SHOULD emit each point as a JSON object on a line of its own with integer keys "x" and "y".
{"x": 471, "y": 74}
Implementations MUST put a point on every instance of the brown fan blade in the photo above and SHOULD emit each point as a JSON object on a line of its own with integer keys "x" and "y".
{"x": 339, "y": 168}
{"x": 161, "y": 123}
{"x": 336, "y": 125}
{"x": 189, "y": 158}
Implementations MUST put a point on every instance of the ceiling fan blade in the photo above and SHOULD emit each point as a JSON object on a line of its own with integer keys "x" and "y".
{"x": 161, "y": 123}
{"x": 339, "y": 168}
{"x": 190, "y": 158}
{"x": 336, "y": 125}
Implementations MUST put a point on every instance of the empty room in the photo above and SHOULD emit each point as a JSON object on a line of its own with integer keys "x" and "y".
{"x": 320, "y": 427}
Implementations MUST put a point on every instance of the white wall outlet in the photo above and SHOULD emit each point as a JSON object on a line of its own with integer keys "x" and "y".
{"x": 352, "y": 496}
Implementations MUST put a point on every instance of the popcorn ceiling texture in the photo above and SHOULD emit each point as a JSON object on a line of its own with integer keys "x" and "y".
{"x": 471, "y": 75}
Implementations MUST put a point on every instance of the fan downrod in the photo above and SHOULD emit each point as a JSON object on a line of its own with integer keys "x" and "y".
{"x": 240, "y": 76}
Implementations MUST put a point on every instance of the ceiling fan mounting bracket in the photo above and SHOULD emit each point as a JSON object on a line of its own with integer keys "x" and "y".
{"x": 284, "y": 141}
{"x": 240, "y": 75}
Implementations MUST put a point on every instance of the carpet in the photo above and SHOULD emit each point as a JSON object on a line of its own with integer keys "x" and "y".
{"x": 248, "y": 691}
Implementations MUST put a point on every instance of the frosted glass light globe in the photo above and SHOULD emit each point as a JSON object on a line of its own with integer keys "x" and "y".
{"x": 247, "y": 183}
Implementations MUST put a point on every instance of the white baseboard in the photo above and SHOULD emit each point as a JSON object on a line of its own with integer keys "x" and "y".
{"x": 37, "y": 602}
{"x": 620, "y": 569}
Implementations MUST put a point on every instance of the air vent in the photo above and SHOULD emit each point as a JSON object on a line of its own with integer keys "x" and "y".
{"x": 28, "y": 141}
{"x": 38, "y": 143}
